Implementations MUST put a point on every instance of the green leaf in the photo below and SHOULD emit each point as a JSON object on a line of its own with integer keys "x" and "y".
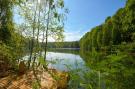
{"x": 42, "y": 61}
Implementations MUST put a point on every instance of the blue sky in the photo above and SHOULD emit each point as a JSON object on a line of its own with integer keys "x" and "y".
{"x": 86, "y": 14}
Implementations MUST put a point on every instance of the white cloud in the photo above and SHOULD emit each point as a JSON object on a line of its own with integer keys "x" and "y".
{"x": 69, "y": 36}
{"x": 72, "y": 36}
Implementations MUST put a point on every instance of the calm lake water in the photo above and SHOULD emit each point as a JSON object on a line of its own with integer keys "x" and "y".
{"x": 62, "y": 60}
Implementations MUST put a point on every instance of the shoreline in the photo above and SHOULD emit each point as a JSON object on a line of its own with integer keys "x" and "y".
{"x": 51, "y": 79}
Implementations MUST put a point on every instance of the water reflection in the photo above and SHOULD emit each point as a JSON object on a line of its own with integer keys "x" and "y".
{"x": 62, "y": 60}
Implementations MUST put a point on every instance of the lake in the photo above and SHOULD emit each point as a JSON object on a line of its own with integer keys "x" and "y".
{"x": 62, "y": 60}
{"x": 96, "y": 70}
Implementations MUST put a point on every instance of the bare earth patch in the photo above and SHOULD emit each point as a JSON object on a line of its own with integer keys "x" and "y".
{"x": 51, "y": 79}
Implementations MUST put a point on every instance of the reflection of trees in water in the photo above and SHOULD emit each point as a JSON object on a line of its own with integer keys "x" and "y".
{"x": 60, "y": 50}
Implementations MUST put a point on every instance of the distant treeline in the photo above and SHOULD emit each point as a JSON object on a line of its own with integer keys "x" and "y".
{"x": 72, "y": 44}
{"x": 116, "y": 30}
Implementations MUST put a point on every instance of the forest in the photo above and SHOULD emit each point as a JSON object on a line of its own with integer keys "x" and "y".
{"x": 38, "y": 20}
{"x": 117, "y": 30}
{"x": 110, "y": 48}
{"x": 73, "y": 44}
{"x": 107, "y": 51}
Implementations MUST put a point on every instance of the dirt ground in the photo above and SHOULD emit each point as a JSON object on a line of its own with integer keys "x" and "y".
{"x": 51, "y": 79}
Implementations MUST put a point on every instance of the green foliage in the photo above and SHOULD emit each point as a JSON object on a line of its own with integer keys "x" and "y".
{"x": 35, "y": 85}
{"x": 7, "y": 55}
{"x": 42, "y": 61}
{"x": 9, "y": 39}
{"x": 133, "y": 37}
{"x": 74, "y": 44}
{"x": 84, "y": 79}
{"x": 5, "y": 52}
{"x": 107, "y": 30}
{"x": 6, "y": 23}
{"x": 116, "y": 71}
{"x": 99, "y": 36}
{"x": 113, "y": 52}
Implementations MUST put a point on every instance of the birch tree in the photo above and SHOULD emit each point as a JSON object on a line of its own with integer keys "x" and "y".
{"x": 43, "y": 19}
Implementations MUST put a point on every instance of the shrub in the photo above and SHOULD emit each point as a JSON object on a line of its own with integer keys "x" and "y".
{"x": 7, "y": 58}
